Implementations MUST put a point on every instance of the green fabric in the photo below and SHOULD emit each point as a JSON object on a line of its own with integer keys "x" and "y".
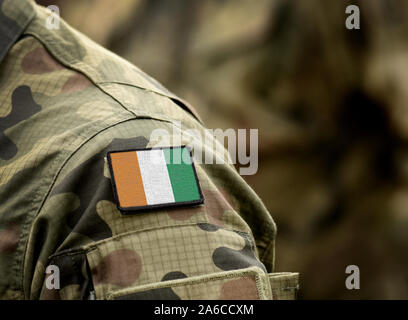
{"x": 182, "y": 178}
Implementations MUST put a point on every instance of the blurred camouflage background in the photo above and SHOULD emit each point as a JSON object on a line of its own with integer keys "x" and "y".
{"x": 331, "y": 106}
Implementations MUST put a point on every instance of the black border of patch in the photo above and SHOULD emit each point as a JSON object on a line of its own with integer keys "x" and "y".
{"x": 130, "y": 210}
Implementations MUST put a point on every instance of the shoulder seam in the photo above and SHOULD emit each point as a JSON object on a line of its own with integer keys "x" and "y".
{"x": 67, "y": 60}
{"x": 70, "y": 67}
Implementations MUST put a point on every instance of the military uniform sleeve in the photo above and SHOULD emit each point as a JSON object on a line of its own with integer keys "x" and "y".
{"x": 67, "y": 102}
{"x": 198, "y": 252}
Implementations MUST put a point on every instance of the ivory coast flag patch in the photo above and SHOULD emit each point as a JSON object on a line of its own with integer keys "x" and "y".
{"x": 153, "y": 178}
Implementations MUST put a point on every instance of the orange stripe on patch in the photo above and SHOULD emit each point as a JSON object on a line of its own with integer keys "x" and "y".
{"x": 129, "y": 184}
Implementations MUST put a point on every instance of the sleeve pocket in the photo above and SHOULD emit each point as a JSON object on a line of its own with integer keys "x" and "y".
{"x": 193, "y": 262}
{"x": 244, "y": 284}
{"x": 192, "y": 257}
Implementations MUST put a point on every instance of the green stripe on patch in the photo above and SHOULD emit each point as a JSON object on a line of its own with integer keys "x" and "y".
{"x": 181, "y": 173}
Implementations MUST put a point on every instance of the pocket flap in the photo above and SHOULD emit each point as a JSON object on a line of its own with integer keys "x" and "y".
{"x": 244, "y": 284}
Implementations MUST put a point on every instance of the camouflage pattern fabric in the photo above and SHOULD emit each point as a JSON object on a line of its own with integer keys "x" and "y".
{"x": 66, "y": 102}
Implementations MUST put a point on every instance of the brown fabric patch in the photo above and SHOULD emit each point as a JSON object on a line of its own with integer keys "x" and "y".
{"x": 240, "y": 289}
{"x": 39, "y": 61}
{"x": 120, "y": 267}
{"x": 181, "y": 214}
{"x": 215, "y": 206}
{"x": 9, "y": 239}
{"x": 75, "y": 83}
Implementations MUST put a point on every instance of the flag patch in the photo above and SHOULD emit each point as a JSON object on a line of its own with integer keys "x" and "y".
{"x": 153, "y": 178}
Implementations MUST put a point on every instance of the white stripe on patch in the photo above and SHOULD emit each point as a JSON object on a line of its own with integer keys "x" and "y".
{"x": 155, "y": 177}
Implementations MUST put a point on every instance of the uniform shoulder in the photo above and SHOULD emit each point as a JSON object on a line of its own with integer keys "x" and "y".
{"x": 106, "y": 70}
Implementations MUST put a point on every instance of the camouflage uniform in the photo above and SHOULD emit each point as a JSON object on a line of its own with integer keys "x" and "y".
{"x": 66, "y": 102}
